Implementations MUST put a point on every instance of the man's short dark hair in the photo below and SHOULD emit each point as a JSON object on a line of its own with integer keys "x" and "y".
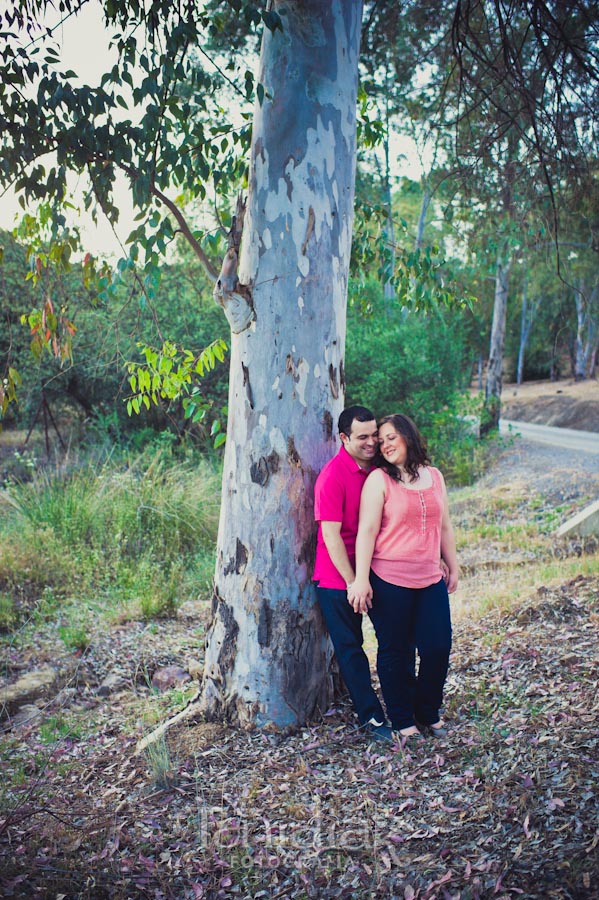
{"x": 361, "y": 413}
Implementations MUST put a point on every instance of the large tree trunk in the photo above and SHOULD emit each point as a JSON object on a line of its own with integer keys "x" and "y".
{"x": 267, "y": 658}
{"x": 495, "y": 368}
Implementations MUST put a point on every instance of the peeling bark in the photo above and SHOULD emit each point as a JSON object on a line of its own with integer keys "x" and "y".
{"x": 272, "y": 666}
{"x": 234, "y": 297}
{"x": 238, "y": 562}
{"x": 236, "y": 303}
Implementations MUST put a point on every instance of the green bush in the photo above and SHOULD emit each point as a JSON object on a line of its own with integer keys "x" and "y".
{"x": 88, "y": 397}
{"x": 75, "y": 637}
{"x": 454, "y": 443}
{"x": 405, "y": 362}
{"x": 7, "y": 612}
{"x": 399, "y": 361}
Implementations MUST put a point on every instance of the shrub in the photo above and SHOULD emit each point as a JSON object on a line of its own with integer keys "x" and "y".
{"x": 415, "y": 364}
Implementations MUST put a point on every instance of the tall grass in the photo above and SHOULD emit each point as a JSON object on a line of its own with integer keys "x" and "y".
{"x": 141, "y": 532}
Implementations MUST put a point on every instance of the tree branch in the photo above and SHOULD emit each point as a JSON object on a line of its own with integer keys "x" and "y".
{"x": 187, "y": 232}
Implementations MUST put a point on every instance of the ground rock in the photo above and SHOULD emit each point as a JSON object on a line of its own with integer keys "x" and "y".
{"x": 29, "y": 714}
{"x": 195, "y": 667}
{"x": 112, "y": 684}
{"x": 168, "y": 677}
{"x": 32, "y": 686}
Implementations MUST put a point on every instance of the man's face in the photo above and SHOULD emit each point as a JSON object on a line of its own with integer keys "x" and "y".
{"x": 362, "y": 442}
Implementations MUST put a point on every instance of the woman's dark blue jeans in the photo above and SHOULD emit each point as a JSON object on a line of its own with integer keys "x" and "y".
{"x": 404, "y": 618}
{"x": 345, "y": 630}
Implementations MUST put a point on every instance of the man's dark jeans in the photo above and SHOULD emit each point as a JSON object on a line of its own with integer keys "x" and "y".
{"x": 345, "y": 630}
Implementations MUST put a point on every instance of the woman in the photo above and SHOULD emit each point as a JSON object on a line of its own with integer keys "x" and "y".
{"x": 404, "y": 531}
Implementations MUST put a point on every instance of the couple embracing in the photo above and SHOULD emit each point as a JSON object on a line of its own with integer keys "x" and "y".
{"x": 386, "y": 548}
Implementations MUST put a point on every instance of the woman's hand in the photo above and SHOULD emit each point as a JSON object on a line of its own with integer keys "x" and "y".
{"x": 450, "y": 578}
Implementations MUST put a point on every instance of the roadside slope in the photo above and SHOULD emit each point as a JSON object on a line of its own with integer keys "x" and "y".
{"x": 564, "y": 404}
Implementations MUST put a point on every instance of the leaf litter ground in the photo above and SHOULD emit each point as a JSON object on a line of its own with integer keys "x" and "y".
{"x": 506, "y": 806}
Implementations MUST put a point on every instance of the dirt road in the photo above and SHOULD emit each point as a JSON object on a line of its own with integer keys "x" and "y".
{"x": 568, "y": 438}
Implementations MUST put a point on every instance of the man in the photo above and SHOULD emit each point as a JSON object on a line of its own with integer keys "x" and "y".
{"x": 336, "y": 508}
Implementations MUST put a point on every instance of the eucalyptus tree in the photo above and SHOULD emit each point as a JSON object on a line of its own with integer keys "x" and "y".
{"x": 528, "y": 311}
{"x": 580, "y": 275}
{"x": 406, "y": 54}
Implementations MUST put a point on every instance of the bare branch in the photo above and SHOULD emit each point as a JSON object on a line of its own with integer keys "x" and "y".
{"x": 187, "y": 233}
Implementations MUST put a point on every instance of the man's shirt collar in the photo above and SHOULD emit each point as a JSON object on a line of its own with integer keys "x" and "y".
{"x": 349, "y": 462}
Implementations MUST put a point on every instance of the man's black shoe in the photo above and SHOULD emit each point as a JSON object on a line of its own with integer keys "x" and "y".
{"x": 378, "y": 731}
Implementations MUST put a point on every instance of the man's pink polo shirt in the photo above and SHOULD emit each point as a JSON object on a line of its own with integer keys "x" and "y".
{"x": 337, "y": 499}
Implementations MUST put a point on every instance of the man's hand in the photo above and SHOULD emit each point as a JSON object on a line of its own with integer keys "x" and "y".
{"x": 359, "y": 596}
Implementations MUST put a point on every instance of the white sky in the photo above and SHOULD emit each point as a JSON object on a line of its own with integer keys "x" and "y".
{"x": 83, "y": 42}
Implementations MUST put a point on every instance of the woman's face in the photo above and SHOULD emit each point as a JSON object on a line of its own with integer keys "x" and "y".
{"x": 392, "y": 445}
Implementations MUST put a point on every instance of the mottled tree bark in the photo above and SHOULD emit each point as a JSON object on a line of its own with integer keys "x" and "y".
{"x": 268, "y": 658}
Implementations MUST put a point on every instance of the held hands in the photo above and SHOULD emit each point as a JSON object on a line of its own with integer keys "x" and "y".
{"x": 359, "y": 596}
{"x": 359, "y": 593}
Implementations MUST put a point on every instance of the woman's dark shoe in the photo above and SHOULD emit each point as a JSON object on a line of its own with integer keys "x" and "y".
{"x": 438, "y": 730}
{"x": 410, "y": 737}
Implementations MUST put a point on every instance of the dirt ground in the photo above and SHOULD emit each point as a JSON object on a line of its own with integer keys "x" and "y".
{"x": 564, "y": 404}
